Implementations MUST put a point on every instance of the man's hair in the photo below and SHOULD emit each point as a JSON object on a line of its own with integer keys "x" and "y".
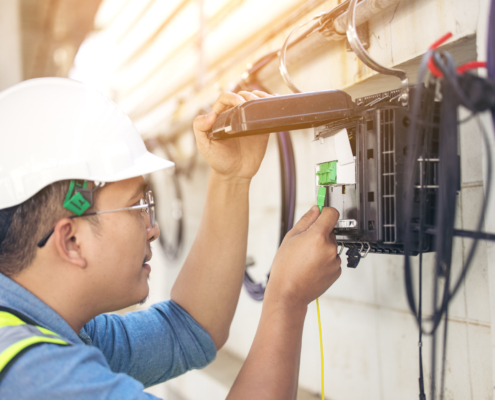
{"x": 31, "y": 221}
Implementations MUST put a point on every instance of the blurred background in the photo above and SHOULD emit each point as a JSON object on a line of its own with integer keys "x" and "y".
{"x": 166, "y": 61}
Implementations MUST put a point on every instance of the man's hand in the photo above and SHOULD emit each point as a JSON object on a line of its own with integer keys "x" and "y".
{"x": 307, "y": 263}
{"x": 231, "y": 158}
{"x": 305, "y": 266}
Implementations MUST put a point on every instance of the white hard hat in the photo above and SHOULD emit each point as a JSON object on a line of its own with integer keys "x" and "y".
{"x": 53, "y": 129}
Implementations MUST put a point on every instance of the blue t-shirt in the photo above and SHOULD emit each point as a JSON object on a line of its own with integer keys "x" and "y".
{"x": 113, "y": 357}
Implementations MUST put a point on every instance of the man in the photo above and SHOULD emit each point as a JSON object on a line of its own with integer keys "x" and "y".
{"x": 76, "y": 224}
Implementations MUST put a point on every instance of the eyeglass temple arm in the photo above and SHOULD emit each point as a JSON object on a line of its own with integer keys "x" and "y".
{"x": 43, "y": 241}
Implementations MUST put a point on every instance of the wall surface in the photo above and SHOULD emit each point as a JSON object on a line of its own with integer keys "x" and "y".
{"x": 370, "y": 337}
{"x": 10, "y": 44}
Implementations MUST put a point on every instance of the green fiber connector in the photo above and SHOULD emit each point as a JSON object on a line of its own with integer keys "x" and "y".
{"x": 327, "y": 173}
{"x": 322, "y": 193}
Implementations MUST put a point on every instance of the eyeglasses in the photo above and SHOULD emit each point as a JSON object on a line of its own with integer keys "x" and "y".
{"x": 146, "y": 204}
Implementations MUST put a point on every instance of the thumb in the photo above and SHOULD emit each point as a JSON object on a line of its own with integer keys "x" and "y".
{"x": 203, "y": 123}
{"x": 305, "y": 222}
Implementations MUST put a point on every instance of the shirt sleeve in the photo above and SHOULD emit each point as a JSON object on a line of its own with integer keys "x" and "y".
{"x": 51, "y": 372}
{"x": 152, "y": 345}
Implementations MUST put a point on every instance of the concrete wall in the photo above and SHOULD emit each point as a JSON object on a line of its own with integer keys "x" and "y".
{"x": 370, "y": 337}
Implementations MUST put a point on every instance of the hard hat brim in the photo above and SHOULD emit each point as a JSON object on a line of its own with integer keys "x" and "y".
{"x": 143, "y": 165}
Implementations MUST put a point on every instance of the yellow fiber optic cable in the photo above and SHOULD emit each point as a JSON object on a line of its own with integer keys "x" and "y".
{"x": 321, "y": 348}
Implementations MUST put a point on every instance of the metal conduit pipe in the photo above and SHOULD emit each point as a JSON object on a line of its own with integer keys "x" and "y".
{"x": 317, "y": 41}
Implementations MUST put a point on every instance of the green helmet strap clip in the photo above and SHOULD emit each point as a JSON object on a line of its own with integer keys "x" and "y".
{"x": 78, "y": 198}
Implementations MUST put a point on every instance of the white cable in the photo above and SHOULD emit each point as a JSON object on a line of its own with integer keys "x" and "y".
{"x": 282, "y": 64}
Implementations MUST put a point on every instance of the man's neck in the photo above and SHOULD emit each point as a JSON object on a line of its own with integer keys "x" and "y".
{"x": 59, "y": 293}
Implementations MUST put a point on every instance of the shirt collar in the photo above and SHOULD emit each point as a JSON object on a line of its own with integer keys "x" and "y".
{"x": 13, "y": 295}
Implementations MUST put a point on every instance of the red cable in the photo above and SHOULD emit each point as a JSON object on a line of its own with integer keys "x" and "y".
{"x": 461, "y": 69}
{"x": 431, "y": 65}
{"x": 470, "y": 65}
{"x": 440, "y": 41}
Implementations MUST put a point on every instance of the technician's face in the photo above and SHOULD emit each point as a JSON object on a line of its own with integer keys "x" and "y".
{"x": 121, "y": 249}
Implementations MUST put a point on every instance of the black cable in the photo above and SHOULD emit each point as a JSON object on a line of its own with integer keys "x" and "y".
{"x": 448, "y": 179}
{"x": 170, "y": 246}
{"x": 444, "y": 353}
{"x": 422, "y": 395}
{"x": 453, "y": 94}
{"x": 490, "y": 58}
{"x": 449, "y": 75}
{"x": 433, "y": 365}
{"x": 412, "y": 155}
{"x": 288, "y": 192}
{"x": 464, "y": 234}
{"x": 446, "y": 197}
{"x": 288, "y": 196}
{"x": 288, "y": 170}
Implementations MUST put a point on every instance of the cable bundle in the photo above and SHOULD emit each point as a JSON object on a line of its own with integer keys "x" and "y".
{"x": 477, "y": 95}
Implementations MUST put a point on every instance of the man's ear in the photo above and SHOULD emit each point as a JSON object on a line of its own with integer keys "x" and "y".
{"x": 67, "y": 242}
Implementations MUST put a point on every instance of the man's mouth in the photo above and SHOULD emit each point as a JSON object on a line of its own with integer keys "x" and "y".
{"x": 145, "y": 263}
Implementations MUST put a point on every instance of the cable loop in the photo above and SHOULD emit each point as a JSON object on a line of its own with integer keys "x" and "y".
{"x": 282, "y": 63}
{"x": 367, "y": 250}
{"x": 363, "y": 55}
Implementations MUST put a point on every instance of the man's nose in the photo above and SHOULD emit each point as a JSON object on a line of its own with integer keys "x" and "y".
{"x": 153, "y": 233}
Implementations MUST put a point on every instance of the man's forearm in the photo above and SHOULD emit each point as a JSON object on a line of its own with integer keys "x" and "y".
{"x": 210, "y": 281}
{"x": 305, "y": 266}
{"x": 271, "y": 369}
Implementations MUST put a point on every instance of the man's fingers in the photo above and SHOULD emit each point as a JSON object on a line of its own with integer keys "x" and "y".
{"x": 260, "y": 93}
{"x": 227, "y": 100}
{"x": 248, "y": 95}
{"x": 305, "y": 222}
{"x": 203, "y": 123}
{"x": 327, "y": 220}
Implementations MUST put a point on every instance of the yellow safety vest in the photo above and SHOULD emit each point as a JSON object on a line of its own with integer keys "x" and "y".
{"x": 18, "y": 333}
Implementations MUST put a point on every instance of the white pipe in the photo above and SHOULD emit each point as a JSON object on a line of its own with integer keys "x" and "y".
{"x": 365, "y": 10}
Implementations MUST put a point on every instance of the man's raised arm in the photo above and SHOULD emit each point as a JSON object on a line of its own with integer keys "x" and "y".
{"x": 210, "y": 281}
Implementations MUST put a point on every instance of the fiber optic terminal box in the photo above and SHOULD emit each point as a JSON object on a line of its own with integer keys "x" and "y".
{"x": 360, "y": 170}
{"x": 360, "y": 154}
{"x": 282, "y": 113}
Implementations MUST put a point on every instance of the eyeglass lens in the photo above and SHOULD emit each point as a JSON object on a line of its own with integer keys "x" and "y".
{"x": 151, "y": 207}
